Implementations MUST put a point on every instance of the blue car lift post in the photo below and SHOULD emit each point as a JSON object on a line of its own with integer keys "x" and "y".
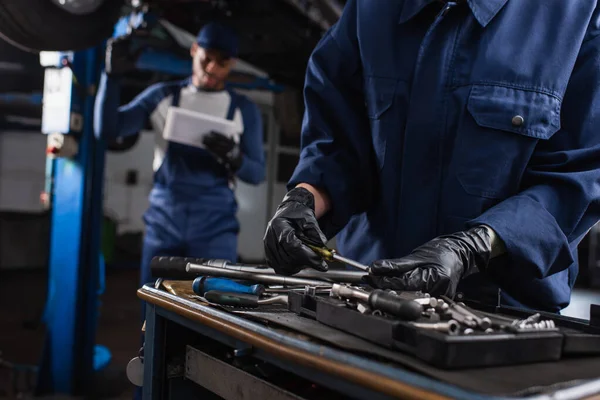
{"x": 75, "y": 188}
{"x": 70, "y": 355}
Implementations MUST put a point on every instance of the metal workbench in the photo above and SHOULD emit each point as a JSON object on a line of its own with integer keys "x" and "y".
{"x": 180, "y": 361}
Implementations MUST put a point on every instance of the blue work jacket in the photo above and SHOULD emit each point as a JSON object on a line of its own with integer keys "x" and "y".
{"x": 425, "y": 118}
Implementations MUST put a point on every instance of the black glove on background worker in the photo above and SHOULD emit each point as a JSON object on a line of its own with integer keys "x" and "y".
{"x": 225, "y": 149}
{"x": 437, "y": 266}
{"x": 294, "y": 219}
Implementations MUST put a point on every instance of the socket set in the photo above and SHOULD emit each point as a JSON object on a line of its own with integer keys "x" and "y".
{"x": 440, "y": 331}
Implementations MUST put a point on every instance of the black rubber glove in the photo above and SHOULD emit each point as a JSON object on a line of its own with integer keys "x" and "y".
{"x": 119, "y": 57}
{"x": 225, "y": 149}
{"x": 293, "y": 225}
{"x": 437, "y": 266}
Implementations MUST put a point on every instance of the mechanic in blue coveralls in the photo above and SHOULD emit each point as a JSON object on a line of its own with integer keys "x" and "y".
{"x": 453, "y": 146}
{"x": 192, "y": 209}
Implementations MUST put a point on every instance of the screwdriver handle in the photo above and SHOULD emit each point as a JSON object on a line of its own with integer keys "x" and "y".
{"x": 232, "y": 299}
{"x": 407, "y": 310}
{"x": 204, "y": 284}
{"x": 172, "y": 267}
{"x": 323, "y": 252}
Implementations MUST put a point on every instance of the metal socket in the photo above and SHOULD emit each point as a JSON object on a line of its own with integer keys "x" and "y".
{"x": 442, "y": 307}
{"x": 463, "y": 319}
{"x": 449, "y": 327}
{"x": 346, "y": 292}
{"x": 482, "y": 322}
{"x": 420, "y": 298}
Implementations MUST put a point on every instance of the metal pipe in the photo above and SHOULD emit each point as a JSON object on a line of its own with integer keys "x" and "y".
{"x": 333, "y": 275}
{"x": 330, "y": 276}
{"x": 245, "y": 275}
{"x": 350, "y": 262}
{"x": 318, "y": 289}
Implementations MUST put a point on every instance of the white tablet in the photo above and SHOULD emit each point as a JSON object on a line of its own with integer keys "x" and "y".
{"x": 189, "y": 127}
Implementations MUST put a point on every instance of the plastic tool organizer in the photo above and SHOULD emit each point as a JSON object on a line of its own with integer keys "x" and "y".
{"x": 476, "y": 349}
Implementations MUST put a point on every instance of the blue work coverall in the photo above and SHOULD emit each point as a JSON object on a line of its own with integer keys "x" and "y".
{"x": 192, "y": 209}
{"x": 424, "y": 118}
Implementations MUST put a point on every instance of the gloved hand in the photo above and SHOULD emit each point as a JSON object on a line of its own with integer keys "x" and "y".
{"x": 293, "y": 225}
{"x": 118, "y": 57}
{"x": 437, "y": 266}
{"x": 225, "y": 149}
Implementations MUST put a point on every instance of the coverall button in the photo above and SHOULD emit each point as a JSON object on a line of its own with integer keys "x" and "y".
{"x": 517, "y": 120}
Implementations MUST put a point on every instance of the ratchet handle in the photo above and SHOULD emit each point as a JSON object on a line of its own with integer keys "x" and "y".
{"x": 204, "y": 284}
{"x": 172, "y": 267}
{"x": 232, "y": 299}
{"x": 391, "y": 304}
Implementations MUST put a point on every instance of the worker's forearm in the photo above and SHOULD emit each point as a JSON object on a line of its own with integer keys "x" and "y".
{"x": 252, "y": 171}
{"x": 322, "y": 202}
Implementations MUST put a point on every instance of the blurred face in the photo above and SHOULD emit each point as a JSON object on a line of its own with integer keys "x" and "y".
{"x": 210, "y": 68}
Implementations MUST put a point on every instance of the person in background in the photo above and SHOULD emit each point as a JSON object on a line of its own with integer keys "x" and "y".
{"x": 192, "y": 209}
{"x": 452, "y": 145}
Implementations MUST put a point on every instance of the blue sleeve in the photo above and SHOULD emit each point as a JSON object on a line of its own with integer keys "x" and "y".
{"x": 542, "y": 225}
{"x": 251, "y": 144}
{"x": 112, "y": 121}
{"x": 337, "y": 154}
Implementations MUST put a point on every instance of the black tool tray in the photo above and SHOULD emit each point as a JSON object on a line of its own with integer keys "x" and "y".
{"x": 445, "y": 351}
{"x": 581, "y": 337}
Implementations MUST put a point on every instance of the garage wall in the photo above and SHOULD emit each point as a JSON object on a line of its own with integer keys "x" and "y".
{"x": 126, "y": 204}
{"x": 22, "y": 166}
{"x": 22, "y": 170}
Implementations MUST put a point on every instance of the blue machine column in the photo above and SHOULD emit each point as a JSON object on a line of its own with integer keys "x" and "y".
{"x": 68, "y": 360}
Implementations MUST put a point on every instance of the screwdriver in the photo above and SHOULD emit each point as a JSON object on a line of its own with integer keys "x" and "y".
{"x": 328, "y": 254}
{"x": 242, "y": 299}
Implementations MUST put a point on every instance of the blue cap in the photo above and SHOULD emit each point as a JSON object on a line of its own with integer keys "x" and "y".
{"x": 218, "y": 37}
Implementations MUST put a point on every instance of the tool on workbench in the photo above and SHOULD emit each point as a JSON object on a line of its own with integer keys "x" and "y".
{"x": 533, "y": 322}
{"x": 380, "y": 300}
{"x": 422, "y": 298}
{"x": 250, "y": 276}
{"x": 176, "y": 268}
{"x": 330, "y": 255}
{"x": 306, "y": 289}
{"x": 449, "y": 327}
{"x": 204, "y": 284}
{"x": 467, "y": 317}
{"x": 242, "y": 300}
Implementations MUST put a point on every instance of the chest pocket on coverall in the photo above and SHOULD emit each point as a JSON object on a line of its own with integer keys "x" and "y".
{"x": 498, "y": 135}
{"x": 379, "y": 95}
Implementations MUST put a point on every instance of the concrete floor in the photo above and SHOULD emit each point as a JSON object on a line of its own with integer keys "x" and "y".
{"x": 22, "y": 299}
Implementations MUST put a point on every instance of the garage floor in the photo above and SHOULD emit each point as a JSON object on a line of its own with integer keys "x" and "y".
{"x": 22, "y": 298}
